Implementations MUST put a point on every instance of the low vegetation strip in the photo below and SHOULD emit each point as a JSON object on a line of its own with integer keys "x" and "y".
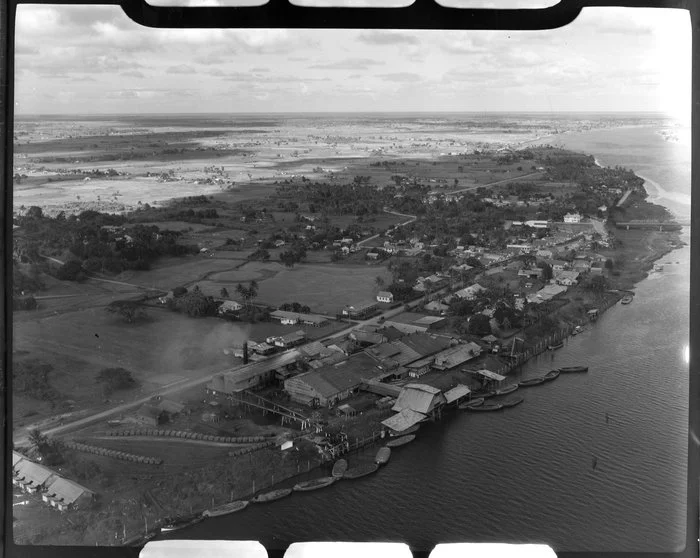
{"x": 113, "y": 453}
{"x": 190, "y": 436}
{"x": 251, "y": 449}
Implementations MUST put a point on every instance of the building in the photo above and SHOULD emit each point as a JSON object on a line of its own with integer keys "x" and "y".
{"x": 556, "y": 265}
{"x": 566, "y": 278}
{"x": 437, "y": 307}
{"x": 457, "y": 394}
{"x": 403, "y": 420}
{"x": 64, "y": 495}
{"x": 229, "y": 307}
{"x": 31, "y": 477}
{"x": 360, "y": 311}
{"x": 385, "y": 296}
{"x": 412, "y": 322}
{"x": 572, "y": 218}
{"x": 289, "y": 340}
{"x": 455, "y": 356}
{"x": 293, "y": 318}
{"x": 471, "y": 292}
{"x": 548, "y": 292}
{"x": 150, "y": 415}
{"x": 420, "y": 398}
{"x": 253, "y": 375}
{"x": 329, "y": 385}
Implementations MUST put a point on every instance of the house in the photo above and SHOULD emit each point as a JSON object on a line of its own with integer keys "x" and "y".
{"x": 412, "y": 322}
{"x": 550, "y": 291}
{"x": 31, "y": 477}
{"x": 367, "y": 337}
{"x": 372, "y": 255}
{"x": 455, "y": 356}
{"x": 556, "y": 265}
{"x": 360, "y": 311}
{"x": 414, "y": 352}
{"x": 64, "y": 495}
{"x": 279, "y": 243}
{"x": 490, "y": 340}
{"x": 293, "y": 318}
{"x": 566, "y": 278}
{"x": 229, "y": 307}
{"x": 471, "y": 292}
{"x": 532, "y": 272}
{"x": 420, "y": 398}
{"x": 544, "y": 253}
{"x": 581, "y": 265}
{"x": 437, "y": 307}
{"x": 329, "y": 385}
{"x": 385, "y": 296}
{"x": 596, "y": 269}
{"x": 288, "y": 340}
{"x": 150, "y": 415}
{"x": 572, "y": 218}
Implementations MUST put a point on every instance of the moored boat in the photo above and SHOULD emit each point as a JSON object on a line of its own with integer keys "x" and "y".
{"x": 486, "y": 407}
{"x": 226, "y": 509}
{"x": 551, "y": 375}
{"x": 411, "y": 430}
{"x": 626, "y": 299}
{"x": 574, "y": 369}
{"x": 506, "y": 390}
{"x": 403, "y": 440}
{"x": 487, "y": 394}
{"x": 383, "y": 456}
{"x": 339, "y": 468}
{"x": 555, "y": 347}
{"x": 180, "y": 524}
{"x": 513, "y": 401}
{"x": 361, "y": 471}
{"x": 472, "y": 403}
{"x": 271, "y": 496}
{"x": 314, "y": 484}
{"x": 531, "y": 382}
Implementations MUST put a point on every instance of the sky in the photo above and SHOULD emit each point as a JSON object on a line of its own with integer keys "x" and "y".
{"x": 95, "y": 60}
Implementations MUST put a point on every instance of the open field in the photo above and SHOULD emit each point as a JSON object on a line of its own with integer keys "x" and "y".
{"x": 324, "y": 288}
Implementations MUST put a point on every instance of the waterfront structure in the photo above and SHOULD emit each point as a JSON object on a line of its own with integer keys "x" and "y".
{"x": 420, "y": 398}
{"x": 254, "y": 374}
{"x": 454, "y": 356}
{"x": 412, "y": 322}
{"x": 329, "y": 385}
{"x": 457, "y": 394}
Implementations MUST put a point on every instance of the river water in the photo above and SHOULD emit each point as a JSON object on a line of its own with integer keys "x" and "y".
{"x": 526, "y": 474}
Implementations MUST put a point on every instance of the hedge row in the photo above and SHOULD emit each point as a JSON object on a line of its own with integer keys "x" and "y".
{"x": 189, "y": 435}
{"x": 251, "y": 449}
{"x": 113, "y": 453}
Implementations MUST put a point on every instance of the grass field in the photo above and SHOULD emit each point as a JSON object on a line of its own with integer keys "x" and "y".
{"x": 324, "y": 288}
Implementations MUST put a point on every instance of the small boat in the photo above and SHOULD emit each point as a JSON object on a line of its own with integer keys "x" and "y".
{"x": 487, "y": 394}
{"x": 486, "y": 407}
{"x": 400, "y": 441}
{"x": 271, "y": 496}
{"x": 180, "y": 524}
{"x": 531, "y": 382}
{"x": 114, "y": 422}
{"x": 339, "y": 468}
{"x": 411, "y": 430}
{"x": 506, "y": 390}
{"x": 574, "y": 332}
{"x": 472, "y": 403}
{"x": 574, "y": 369}
{"x": 551, "y": 375}
{"x": 383, "y": 456}
{"x": 513, "y": 401}
{"x": 555, "y": 347}
{"x": 626, "y": 299}
{"x": 314, "y": 484}
{"x": 361, "y": 471}
{"x": 226, "y": 509}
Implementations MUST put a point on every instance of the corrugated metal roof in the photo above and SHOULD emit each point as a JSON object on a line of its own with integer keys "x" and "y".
{"x": 16, "y": 458}
{"x": 455, "y": 356}
{"x": 403, "y": 420}
{"x": 349, "y": 374}
{"x": 67, "y": 491}
{"x": 425, "y": 344}
{"x": 490, "y": 375}
{"x": 456, "y": 393}
{"x": 312, "y": 349}
{"x": 32, "y": 472}
{"x": 417, "y": 398}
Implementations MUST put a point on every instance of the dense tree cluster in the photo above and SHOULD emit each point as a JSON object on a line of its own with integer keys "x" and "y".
{"x": 115, "y": 379}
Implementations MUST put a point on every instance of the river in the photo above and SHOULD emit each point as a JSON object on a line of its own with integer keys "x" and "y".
{"x": 526, "y": 474}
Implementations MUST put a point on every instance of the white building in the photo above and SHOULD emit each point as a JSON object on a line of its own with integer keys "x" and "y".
{"x": 385, "y": 296}
{"x": 572, "y": 218}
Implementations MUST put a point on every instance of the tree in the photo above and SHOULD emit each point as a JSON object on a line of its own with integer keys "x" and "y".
{"x": 129, "y": 310}
{"x": 479, "y": 324}
{"x": 608, "y": 264}
{"x": 35, "y": 212}
{"x": 547, "y": 272}
{"x": 115, "y": 379}
{"x": 597, "y": 284}
{"x": 71, "y": 271}
{"x": 379, "y": 280}
{"x": 224, "y": 292}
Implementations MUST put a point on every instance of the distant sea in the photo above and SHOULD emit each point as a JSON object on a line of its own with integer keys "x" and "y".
{"x": 526, "y": 475}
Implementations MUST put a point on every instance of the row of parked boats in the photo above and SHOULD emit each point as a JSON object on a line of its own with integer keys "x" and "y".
{"x": 481, "y": 405}
{"x": 340, "y": 471}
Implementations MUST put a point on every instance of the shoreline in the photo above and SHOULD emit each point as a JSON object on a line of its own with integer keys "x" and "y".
{"x": 655, "y": 256}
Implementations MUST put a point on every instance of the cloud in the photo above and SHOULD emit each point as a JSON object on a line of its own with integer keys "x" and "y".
{"x": 403, "y": 77}
{"x": 260, "y": 69}
{"x": 348, "y": 64}
{"x": 376, "y": 37}
{"x": 83, "y": 78}
{"x": 133, "y": 73}
{"x": 180, "y": 69}
{"x": 24, "y": 49}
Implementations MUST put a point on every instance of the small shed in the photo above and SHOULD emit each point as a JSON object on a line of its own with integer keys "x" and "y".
{"x": 457, "y": 394}
{"x": 150, "y": 415}
{"x": 346, "y": 411}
